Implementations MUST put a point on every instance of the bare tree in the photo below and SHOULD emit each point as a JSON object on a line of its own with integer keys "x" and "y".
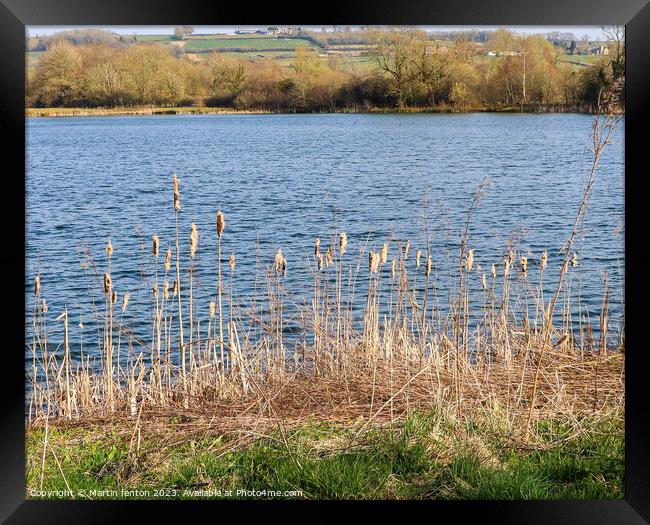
{"x": 616, "y": 35}
{"x": 393, "y": 53}
{"x": 183, "y": 32}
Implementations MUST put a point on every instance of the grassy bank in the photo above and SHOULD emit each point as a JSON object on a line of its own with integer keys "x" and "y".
{"x": 102, "y": 112}
{"x": 205, "y": 110}
{"x": 429, "y": 454}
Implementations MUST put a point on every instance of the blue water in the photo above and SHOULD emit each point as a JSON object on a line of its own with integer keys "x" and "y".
{"x": 283, "y": 180}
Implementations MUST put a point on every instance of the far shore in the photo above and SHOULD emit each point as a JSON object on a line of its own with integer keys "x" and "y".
{"x": 206, "y": 110}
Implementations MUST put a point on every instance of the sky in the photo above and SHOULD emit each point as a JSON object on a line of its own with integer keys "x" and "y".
{"x": 594, "y": 32}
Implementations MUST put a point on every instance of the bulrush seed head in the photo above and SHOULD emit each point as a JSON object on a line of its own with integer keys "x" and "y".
{"x": 317, "y": 248}
{"x": 493, "y": 270}
{"x": 109, "y": 248}
{"x": 392, "y": 269}
{"x": 329, "y": 257}
{"x": 506, "y": 267}
{"x": 213, "y": 309}
{"x": 168, "y": 259}
{"x": 165, "y": 289}
{"x": 44, "y": 307}
{"x": 37, "y": 284}
{"x": 125, "y": 301}
{"x": 374, "y": 264}
{"x": 524, "y": 264}
{"x": 484, "y": 281}
{"x": 406, "y": 250}
{"x": 428, "y": 266}
{"x": 574, "y": 260}
{"x": 469, "y": 260}
{"x": 114, "y": 297}
{"x": 177, "y": 195}
{"x": 174, "y": 288}
{"x": 319, "y": 259}
{"x": 232, "y": 262}
{"x": 194, "y": 240}
{"x": 155, "y": 291}
{"x": 343, "y": 243}
{"x": 284, "y": 267}
{"x": 384, "y": 253}
{"x": 544, "y": 259}
{"x": 156, "y": 245}
{"x": 511, "y": 256}
{"x": 108, "y": 282}
{"x": 418, "y": 255}
{"x": 278, "y": 261}
{"x": 221, "y": 223}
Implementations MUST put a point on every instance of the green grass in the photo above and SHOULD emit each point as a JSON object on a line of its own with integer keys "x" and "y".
{"x": 360, "y": 63}
{"x": 425, "y": 457}
{"x": 155, "y": 38}
{"x": 261, "y": 43}
{"x": 586, "y": 59}
{"x": 226, "y": 36}
{"x": 262, "y": 54}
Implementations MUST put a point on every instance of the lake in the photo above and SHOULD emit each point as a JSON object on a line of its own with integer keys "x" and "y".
{"x": 284, "y": 180}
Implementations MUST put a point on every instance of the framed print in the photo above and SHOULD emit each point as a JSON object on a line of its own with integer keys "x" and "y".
{"x": 395, "y": 259}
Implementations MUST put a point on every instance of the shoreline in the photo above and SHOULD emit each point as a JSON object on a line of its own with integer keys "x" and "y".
{"x": 205, "y": 110}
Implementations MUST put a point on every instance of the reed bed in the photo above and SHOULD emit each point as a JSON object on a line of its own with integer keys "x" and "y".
{"x": 402, "y": 351}
{"x": 496, "y": 340}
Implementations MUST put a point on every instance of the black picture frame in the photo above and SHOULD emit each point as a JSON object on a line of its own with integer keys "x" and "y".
{"x": 16, "y": 14}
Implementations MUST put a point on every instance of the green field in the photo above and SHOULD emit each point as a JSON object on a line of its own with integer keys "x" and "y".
{"x": 223, "y": 36}
{"x": 154, "y": 38}
{"x": 586, "y": 59}
{"x": 262, "y": 43}
{"x": 261, "y": 55}
{"x": 357, "y": 63}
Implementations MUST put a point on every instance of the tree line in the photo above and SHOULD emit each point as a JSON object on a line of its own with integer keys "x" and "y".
{"x": 409, "y": 70}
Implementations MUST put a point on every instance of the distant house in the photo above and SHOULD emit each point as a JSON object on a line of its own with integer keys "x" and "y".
{"x": 246, "y": 32}
{"x": 288, "y": 30}
{"x": 501, "y": 53}
{"x": 600, "y": 50}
